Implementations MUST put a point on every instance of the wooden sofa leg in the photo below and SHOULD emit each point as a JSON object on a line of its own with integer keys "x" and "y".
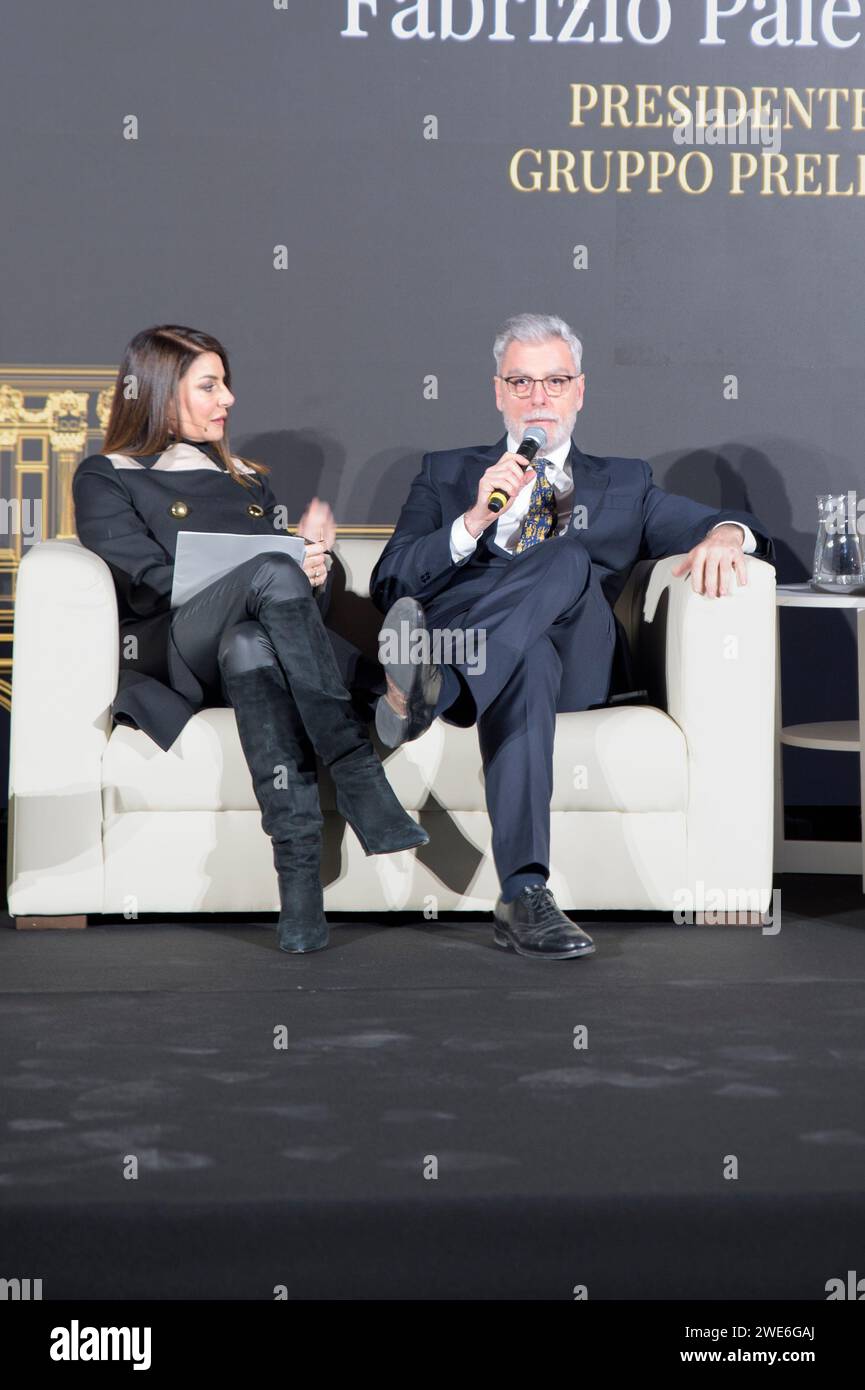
{"x": 732, "y": 919}
{"x": 45, "y": 923}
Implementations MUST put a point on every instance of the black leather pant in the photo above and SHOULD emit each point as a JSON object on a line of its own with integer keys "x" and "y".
{"x": 220, "y": 625}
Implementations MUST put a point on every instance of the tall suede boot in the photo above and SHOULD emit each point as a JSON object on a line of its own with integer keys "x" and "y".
{"x": 282, "y": 763}
{"x": 364, "y": 797}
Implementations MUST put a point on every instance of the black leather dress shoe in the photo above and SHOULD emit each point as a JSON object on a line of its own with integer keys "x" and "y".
{"x": 532, "y": 925}
{"x": 414, "y": 681}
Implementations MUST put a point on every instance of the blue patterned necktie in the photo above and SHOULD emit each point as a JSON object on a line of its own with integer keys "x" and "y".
{"x": 541, "y": 517}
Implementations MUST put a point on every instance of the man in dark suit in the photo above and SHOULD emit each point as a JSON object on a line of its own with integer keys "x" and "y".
{"x": 532, "y": 588}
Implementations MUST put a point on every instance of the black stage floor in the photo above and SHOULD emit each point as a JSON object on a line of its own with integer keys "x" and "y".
{"x": 409, "y": 1044}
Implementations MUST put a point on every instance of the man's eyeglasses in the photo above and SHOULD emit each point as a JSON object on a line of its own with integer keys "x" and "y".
{"x": 521, "y": 386}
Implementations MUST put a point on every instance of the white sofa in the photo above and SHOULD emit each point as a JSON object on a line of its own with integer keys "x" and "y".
{"x": 650, "y": 802}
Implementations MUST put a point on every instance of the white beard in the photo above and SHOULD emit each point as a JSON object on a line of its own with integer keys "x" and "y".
{"x": 557, "y": 431}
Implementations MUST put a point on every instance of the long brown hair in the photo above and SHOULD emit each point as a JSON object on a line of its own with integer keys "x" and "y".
{"x": 153, "y": 364}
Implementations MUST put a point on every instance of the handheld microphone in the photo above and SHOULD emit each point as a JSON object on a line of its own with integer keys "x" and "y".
{"x": 535, "y": 438}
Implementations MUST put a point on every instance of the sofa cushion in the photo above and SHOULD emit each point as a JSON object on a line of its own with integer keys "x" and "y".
{"x": 626, "y": 759}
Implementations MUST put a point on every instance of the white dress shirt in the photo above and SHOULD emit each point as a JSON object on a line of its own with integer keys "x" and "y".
{"x": 509, "y": 526}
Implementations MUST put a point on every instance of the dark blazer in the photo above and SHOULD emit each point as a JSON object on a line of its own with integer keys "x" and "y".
{"x": 628, "y": 518}
{"x": 124, "y": 515}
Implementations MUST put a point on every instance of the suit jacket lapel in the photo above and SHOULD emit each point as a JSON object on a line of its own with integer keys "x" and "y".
{"x": 591, "y": 480}
{"x": 476, "y": 465}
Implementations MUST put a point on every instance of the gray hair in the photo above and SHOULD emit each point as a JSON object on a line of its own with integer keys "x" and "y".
{"x": 536, "y": 328}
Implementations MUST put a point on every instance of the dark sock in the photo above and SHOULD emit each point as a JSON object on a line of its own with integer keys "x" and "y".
{"x": 450, "y": 690}
{"x": 515, "y": 883}
{"x": 456, "y": 702}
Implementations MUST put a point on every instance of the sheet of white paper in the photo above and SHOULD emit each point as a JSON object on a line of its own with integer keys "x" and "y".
{"x": 204, "y": 556}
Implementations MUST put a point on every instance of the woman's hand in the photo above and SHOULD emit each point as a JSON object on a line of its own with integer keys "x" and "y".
{"x": 315, "y": 563}
{"x": 317, "y": 523}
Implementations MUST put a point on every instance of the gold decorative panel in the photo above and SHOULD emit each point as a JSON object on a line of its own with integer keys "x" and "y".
{"x": 50, "y": 419}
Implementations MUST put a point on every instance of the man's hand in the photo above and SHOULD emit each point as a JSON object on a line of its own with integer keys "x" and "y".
{"x": 714, "y": 560}
{"x": 317, "y": 523}
{"x": 506, "y": 474}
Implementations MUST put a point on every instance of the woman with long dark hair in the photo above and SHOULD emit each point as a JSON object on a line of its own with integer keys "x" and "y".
{"x": 254, "y": 639}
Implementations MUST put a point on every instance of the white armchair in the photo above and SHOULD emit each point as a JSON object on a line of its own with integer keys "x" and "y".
{"x": 654, "y": 807}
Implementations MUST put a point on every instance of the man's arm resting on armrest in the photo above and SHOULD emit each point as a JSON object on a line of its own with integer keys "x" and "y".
{"x": 750, "y": 540}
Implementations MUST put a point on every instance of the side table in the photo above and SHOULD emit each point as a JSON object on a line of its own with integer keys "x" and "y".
{"x": 841, "y": 736}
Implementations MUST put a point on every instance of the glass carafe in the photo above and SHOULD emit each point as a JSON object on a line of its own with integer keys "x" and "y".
{"x": 838, "y": 552}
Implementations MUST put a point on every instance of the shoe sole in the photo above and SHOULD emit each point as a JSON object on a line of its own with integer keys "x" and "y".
{"x": 508, "y": 945}
{"x": 406, "y": 679}
{"x": 391, "y": 728}
{"x": 303, "y": 950}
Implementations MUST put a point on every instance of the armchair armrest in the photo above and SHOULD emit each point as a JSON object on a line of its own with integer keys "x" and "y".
{"x": 64, "y": 678}
{"x": 711, "y": 663}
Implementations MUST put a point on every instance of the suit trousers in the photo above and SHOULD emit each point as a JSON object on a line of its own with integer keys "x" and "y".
{"x": 548, "y": 636}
